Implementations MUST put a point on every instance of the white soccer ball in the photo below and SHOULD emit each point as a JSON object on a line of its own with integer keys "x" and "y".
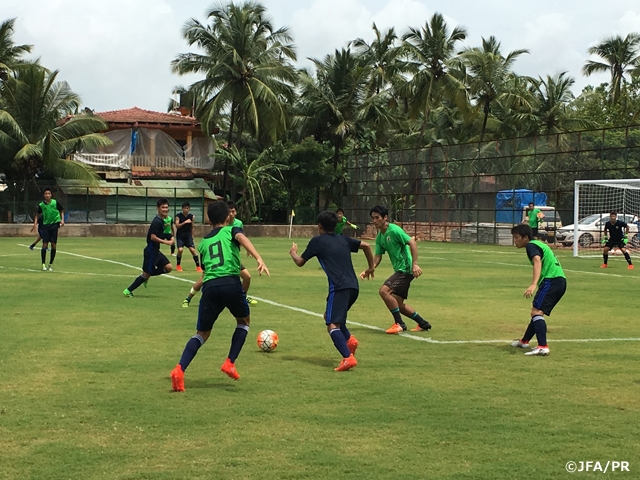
{"x": 267, "y": 340}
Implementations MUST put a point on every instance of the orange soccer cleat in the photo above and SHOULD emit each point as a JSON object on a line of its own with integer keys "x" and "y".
{"x": 352, "y": 344}
{"x": 199, "y": 269}
{"x": 230, "y": 369}
{"x": 177, "y": 379}
{"x": 630, "y": 267}
{"x": 604, "y": 265}
{"x": 396, "y": 328}
{"x": 346, "y": 364}
{"x": 179, "y": 268}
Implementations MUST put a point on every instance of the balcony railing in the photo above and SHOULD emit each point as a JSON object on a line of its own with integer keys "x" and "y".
{"x": 125, "y": 162}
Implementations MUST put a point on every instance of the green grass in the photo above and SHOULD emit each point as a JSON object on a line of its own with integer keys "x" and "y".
{"x": 85, "y": 390}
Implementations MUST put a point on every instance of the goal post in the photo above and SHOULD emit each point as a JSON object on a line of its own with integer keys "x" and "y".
{"x": 593, "y": 201}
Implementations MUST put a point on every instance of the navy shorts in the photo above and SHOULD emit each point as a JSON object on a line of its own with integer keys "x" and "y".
{"x": 399, "y": 284}
{"x": 338, "y": 304}
{"x": 184, "y": 241}
{"x": 49, "y": 233}
{"x": 550, "y": 291}
{"x": 615, "y": 244}
{"x": 215, "y": 298}
{"x": 152, "y": 259}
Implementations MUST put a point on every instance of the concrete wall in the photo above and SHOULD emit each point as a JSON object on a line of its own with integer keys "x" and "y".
{"x": 136, "y": 230}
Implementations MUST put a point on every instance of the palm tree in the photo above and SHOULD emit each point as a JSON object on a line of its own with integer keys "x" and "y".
{"x": 620, "y": 56}
{"x": 381, "y": 56}
{"x": 10, "y": 53}
{"x": 488, "y": 73}
{"x": 34, "y": 135}
{"x": 247, "y": 67}
{"x": 428, "y": 51}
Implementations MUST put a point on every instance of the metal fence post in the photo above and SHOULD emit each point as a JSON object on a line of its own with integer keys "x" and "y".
{"x": 146, "y": 203}
{"x": 117, "y": 204}
{"x": 87, "y": 204}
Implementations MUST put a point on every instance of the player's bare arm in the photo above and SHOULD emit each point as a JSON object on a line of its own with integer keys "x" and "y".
{"x": 537, "y": 268}
{"x": 155, "y": 238}
{"x": 413, "y": 247}
{"x": 297, "y": 259}
{"x": 248, "y": 246}
{"x": 368, "y": 253}
{"x": 376, "y": 261}
{"x": 62, "y": 218}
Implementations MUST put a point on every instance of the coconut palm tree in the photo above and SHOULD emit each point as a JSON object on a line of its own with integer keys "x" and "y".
{"x": 620, "y": 55}
{"x": 381, "y": 56}
{"x": 10, "y": 53}
{"x": 37, "y": 129}
{"x": 247, "y": 67}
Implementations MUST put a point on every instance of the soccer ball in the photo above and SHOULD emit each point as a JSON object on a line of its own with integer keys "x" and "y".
{"x": 267, "y": 340}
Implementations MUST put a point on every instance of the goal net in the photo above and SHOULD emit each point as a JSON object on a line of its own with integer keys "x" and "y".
{"x": 594, "y": 200}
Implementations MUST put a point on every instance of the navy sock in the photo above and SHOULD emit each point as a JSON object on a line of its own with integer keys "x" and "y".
{"x": 178, "y": 259}
{"x": 396, "y": 316}
{"x": 529, "y": 333}
{"x": 345, "y": 331}
{"x": 43, "y": 255}
{"x": 136, "y": 283}
{"x": 541, "y": 330}
{"x": 237, "y": 341}
{"x": 197, "y": 260}
{"x": 418, "y": 319}
{"x": 627, "y": 257}
{"x": 53, "y": 255}
{"x": 190, "y": 350}
{"x": 173, "y": 248}
{"x": 606, "y": 257}
{"x": 340, "y": 342}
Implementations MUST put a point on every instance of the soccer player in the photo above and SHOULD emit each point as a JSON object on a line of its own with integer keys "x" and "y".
{"x": 549, "y": 278}
{"x": 403, "y": 253}
{"x": 154, "y": 263}
{"x": 38, "y": 219}
{"x": 334, "y": 254}
{"x": 220, "y": 253}
{"x": 342, "y": 221}
{"x": 615, "y": 236}
{"x": 169, "y": 233}
{"x": 245, "y": 275}
{"x": 52, "y": 215}
{"x": 533, "y": 217}
{"x": 184, "y": 235}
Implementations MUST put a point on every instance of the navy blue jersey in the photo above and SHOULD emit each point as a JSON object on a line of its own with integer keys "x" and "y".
{"x": 157, "y": 228}
{"x": 334, "y": 254}
{"x": 187, "y": 229}
{"x": 616, "y": 230}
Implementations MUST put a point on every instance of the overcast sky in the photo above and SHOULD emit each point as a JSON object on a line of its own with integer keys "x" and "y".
{"x": 116, "y": 53}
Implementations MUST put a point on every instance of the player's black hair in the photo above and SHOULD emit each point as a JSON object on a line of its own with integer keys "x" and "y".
{"x": 162, "y": 201}
{"x": 47, "y": 190}
{"x": 218, "y": 212}
{"x": 339, "y": 210}
{"x": 522, "y": 230}
{"x": 328, "y": 220}
{"x": 186, "y": 204}
{"x": 531, "y": 203}
{"x": 380, "y": 210}
{"x": 231, "y": 204}
{"x": 614, "y": 213}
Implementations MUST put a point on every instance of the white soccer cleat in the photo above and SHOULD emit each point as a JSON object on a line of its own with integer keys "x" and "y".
{"x": 519, "y": 344}
{"x": 539, "y": 351}
{"x": 44, "y": 267}
{"x": 50, "y": 268}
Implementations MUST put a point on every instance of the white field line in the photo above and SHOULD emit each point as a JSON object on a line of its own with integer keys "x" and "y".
{"x": 65, "y": 272}
{"x": 372, "y": 327}
{"x": 15, "y": 255}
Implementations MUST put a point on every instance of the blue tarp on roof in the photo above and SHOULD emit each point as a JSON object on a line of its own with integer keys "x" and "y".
{"x": 511, "y": 203}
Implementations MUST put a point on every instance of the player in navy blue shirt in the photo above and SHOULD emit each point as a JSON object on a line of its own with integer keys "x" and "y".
{"x": 615, "y": 236}
{"x": 184, "y": 235}
{"x": 334, "y": 254}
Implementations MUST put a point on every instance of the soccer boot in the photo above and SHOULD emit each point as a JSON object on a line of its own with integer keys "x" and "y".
{"x": 199, "y": 269}
{"x": 179, "y": 268}
{"x": 352, "y": 344}
{"x": 177, "y": 379}
{"x": 630, "y": 267}
{"x": 520, "y": 344}
{"x": 230, "y": 369}
{"x": 44, "y": 267}
{"x": 31, "y": 247}
{"x": 396, "y": 328}
{"x": 604, "y": 265}
{"x": 252, "y": 301}
{"x": 346, "y": 364}
{"x": 50, "y": 268}
{"x": 422, "y": 328}
{"x": 127, "y": 293}
{"x": 539, "y": 351}
{"x": 185, "y": 303}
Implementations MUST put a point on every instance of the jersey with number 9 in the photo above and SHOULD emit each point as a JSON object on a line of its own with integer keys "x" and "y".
{"x": 220, "y": 253}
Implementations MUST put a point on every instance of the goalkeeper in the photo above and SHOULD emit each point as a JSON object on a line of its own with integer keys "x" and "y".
{"x": 615, "y": 236}
{"x": 342, "y": 221}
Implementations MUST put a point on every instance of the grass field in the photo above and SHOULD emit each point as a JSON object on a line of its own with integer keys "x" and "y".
{"x": 85, "y": 390}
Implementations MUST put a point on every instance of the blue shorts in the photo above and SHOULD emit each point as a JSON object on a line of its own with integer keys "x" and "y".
{"x": 338, "y": 304}
{"x": 550, "y": 291}
{"x": 216, "y": 297}
{"x": 184, "y": 241}
{"x": 153, "y": 258}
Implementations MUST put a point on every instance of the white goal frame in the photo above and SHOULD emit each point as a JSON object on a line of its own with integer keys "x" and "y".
{"x": 576, "y": 206}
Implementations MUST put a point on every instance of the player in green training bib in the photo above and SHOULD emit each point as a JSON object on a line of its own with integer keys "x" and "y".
{"x": 403, "y": 253}
{"x": 169, "y": 232}
{"x": 51, "y": 215}
{"x": 548, "y": 278}
{"x": 533, "y": 218}
{"x": 342, "y": 222}
{"x": 221, "y": 288}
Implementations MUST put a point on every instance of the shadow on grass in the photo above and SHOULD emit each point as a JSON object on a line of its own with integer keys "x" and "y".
{"x": 320, "y": 362}
{"x": 216, "y": 384}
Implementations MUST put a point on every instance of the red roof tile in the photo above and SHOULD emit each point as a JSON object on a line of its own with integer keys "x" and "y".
{"x": 138, "y": 115}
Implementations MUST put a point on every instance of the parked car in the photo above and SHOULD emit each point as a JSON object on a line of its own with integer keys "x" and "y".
{"x": 591, "y": 230}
